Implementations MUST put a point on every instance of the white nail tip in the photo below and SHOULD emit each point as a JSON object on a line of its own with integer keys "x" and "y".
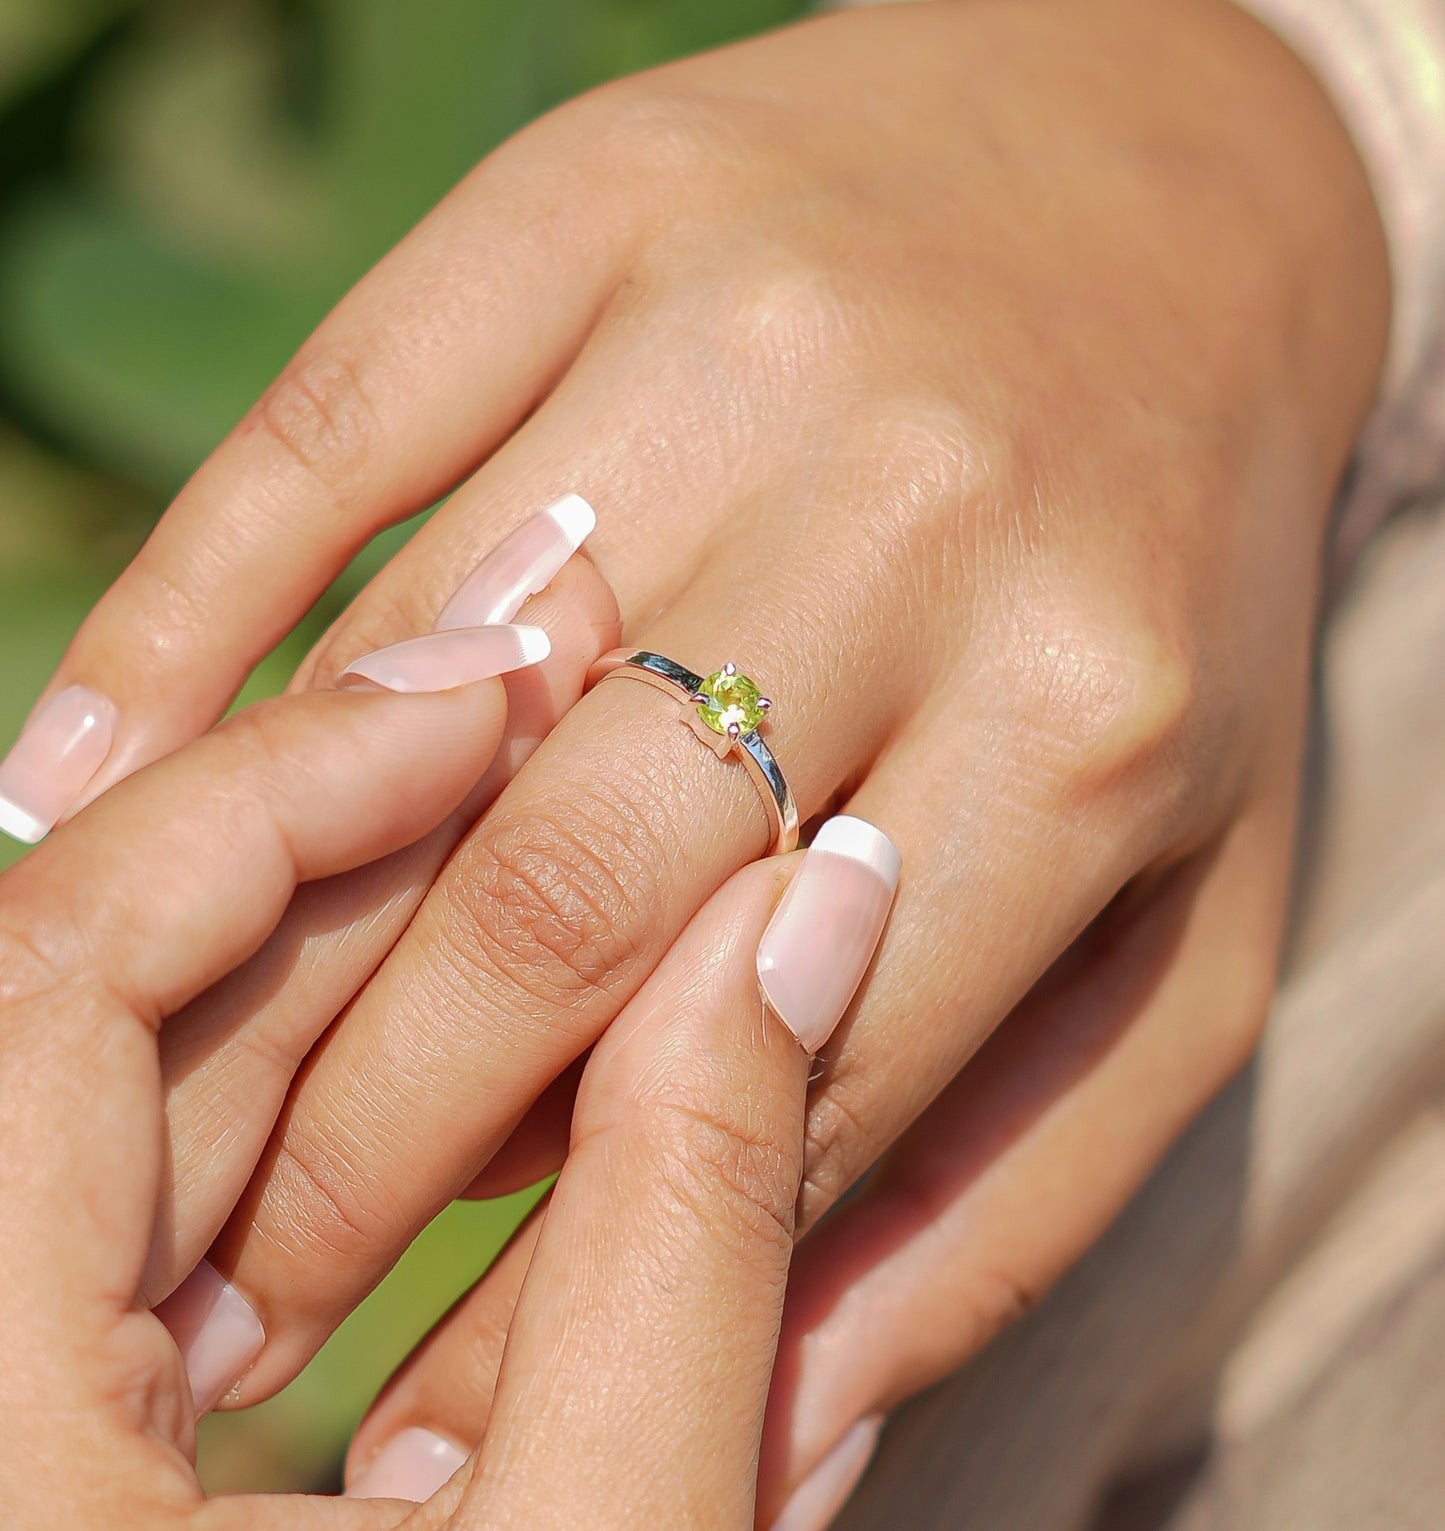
{"x": 863, "y": 842}
{"x": 534, "y": 645}
{"x": 21, "y": 826}
{"x": 575, "y": 519}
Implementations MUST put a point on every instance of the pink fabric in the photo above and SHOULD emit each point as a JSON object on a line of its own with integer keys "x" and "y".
{"x": 1383, "y": 61}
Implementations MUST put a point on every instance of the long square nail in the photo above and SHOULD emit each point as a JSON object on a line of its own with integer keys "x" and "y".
{"x": 62, "y": 747}
{"x": 522, "y": 564}
{"x": 822, "y": 937}
{"x": 442, "y": 661}
{"x": 818, "y": 1499}
{"x": 412, "y": 1465}
{"x": 217, "y": 1332}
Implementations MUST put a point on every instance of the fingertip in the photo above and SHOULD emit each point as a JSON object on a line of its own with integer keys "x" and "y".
{"x": 53, "y": 768}
{"x": 413, "y": 1466}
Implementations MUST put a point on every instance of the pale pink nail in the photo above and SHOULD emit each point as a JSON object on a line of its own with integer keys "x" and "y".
{"x": 217, "y": 1332}
{"x": 412, "y": 1465}
{"x": 819, "y": 1497}
{"x": 64, "y": 745}
{"x": 521, "y": 565}
{"x": 440, "y": 661}
{"x": 819, "y": 943}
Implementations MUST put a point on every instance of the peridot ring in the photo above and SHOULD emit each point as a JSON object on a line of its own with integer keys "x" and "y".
{"x": 725, "y": 710}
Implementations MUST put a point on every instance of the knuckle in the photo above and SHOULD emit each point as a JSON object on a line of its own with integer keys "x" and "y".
{"x": 322, "y": 1212}
{"x": 558, "y": 902}
{"x": 171, "y": 604}
{"x": 37, "y": 957}
{"x": 998, "y": 1299}
{"x": 256, "y": 737}
{"x": 796, "y": 329}
{"x": 259, "y": 765}
{"x": 631, "y": 125}
{"x": 735, "y": 1181}
{"x": 916, "y": 456}
{"x": 1113, "y": 701}
{"x": 319, "y": 415}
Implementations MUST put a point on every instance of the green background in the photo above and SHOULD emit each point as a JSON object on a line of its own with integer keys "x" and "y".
{"x": 185, "y": 188}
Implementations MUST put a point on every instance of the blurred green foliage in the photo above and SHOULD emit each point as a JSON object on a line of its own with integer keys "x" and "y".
{"x": 185, "y": 188}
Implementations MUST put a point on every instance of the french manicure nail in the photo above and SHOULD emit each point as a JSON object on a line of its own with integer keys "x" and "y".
{"x": 412, "y": 1465}
{"x": 522, "y": 564}
{"x": 440, "y": 661}
{"x": 63, "y": 746}
{"x": 822, "y": 937}
{"x": 819, "y": 1497}
{"x": 217, "y": 1332}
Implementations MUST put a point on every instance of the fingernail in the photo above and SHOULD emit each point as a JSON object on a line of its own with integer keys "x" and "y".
{"x": 412, "y": 1465}
{"x": 440, "y": 661}
{"x": 819, "y": 1497}
{"x": 521, "y": 565}
{"x": 64, "y": 745}
{"x": 217, "y": 1332}
{"x": 819, "y": 943}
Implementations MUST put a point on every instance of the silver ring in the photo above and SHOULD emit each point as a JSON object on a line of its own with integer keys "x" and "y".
{"x": 725, "y": 710}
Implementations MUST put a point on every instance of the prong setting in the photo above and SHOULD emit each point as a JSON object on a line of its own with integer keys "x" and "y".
{"x": 730, "y": 703}
{"x": 727, "y": 719}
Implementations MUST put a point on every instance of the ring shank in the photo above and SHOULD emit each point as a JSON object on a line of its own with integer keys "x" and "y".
{"x": 663, "y": 674}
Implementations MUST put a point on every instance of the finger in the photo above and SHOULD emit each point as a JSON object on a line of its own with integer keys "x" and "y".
{"x": 663, "y": 1258}
{"x": 445, "y": 1389}
{"x": 1021, "y": 1165}
{"x": 232, "y": 1054}
{"x": 538, "y": 1147}
{"x": 1007, "y": 1178}
{"x": 432, "y": 360}
{"x": 541, "y": 927}
{"x": 435, "y": 1408}
{"x": 120, "y": 920}
{"x": 1059, "y": 809}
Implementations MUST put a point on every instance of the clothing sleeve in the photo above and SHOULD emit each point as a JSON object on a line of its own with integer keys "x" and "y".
{"x": 1383, "y": 62}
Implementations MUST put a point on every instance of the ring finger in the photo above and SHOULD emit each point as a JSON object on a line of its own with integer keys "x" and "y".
{"x": 560, "y": 904}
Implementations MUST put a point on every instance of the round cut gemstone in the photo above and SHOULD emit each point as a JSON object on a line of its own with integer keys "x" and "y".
{"x": 730, "y": 698}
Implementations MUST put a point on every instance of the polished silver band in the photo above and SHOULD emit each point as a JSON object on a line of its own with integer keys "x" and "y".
{"x": 664, "y": 675}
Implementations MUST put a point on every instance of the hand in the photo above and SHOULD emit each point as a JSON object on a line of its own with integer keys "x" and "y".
{"x": 104, "y": 933}
{"x": 976, "y": 375}
{"x": 659, "y": 1274}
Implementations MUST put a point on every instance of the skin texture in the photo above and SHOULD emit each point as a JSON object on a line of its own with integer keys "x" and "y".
{"x": 978, "y": 376}
{"x": 677, "y": 1202}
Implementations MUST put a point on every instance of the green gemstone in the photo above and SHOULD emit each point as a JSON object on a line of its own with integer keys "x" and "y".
{"x": 731, "y": 699}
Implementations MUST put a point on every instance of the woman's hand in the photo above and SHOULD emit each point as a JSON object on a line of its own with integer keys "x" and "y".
{"x": 977, "y": 376}
{"x": 105, "y": 933}
{"x": 642, "y": 1343}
